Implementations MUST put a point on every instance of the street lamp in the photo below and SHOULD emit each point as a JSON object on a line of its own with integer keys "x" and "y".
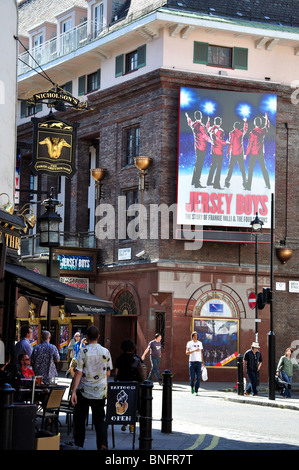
{"x": 256, "y": 230}
{"x": 49, "y": 236}
{"x": 271, "y": 334}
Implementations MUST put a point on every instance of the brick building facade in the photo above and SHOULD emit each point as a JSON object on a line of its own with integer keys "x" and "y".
{"x": 166, "y": 286}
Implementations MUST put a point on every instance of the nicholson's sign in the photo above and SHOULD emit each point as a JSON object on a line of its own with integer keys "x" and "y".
{"x": 54, "y": 142}
{"x": 56, "y": 96}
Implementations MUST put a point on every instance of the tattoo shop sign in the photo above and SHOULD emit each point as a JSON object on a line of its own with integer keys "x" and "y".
{"x": 122, "y": 400}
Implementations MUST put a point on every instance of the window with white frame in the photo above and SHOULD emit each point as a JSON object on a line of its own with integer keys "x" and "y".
{"x": 37, "y": 42}
{"x": 89, "y": 83}
{"x": 98, "y": 19}
{"x": 127, "y": 63}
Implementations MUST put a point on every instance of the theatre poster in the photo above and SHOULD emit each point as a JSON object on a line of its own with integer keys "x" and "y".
{"x": 226, "y": 157}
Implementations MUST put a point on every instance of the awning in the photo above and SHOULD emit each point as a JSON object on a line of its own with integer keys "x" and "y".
{"x": 57, "y": 293}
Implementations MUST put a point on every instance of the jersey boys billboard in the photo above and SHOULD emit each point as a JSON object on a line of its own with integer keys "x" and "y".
{"x": 226, "y": 157}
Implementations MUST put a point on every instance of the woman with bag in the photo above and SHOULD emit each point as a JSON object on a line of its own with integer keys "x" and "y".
{"x": 129, "y": 367}
{"x": 285, "y": 368}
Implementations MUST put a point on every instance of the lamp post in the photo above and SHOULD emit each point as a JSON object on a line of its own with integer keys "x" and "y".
{"x": 271, "y": 334}
{"x": 256, "y": 230}
{"x": 49, "y": 236}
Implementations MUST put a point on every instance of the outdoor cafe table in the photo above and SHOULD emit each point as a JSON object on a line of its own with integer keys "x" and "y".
{"x": 41, "y": 392}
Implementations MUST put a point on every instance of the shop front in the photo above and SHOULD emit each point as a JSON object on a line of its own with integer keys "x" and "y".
{"x": 27, "y": 294}
{"x": 72, "y": 307}
{"x": 177, "y": 299}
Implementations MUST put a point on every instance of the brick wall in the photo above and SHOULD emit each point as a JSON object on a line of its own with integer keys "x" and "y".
{"x": 151, "y": 101}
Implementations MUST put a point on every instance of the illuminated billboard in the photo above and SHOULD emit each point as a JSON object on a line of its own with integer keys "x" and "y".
{"x": 226, "y": 157}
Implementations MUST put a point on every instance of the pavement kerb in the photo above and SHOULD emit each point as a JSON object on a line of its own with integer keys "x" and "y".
{"x": 180, "y": 438}
{"x": 227, "y": 392}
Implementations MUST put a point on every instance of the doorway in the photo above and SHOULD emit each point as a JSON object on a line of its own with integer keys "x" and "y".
{"x": 122, "y": 327}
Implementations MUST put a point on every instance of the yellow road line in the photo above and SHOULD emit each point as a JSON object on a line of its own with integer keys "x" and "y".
{"x": 199, "y": 441}
{"x": 214, "y": 443}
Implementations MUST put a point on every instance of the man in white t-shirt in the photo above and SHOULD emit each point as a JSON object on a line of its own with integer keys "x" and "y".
{"x": 90, "y": 388}
{"x": 194, "y": 350}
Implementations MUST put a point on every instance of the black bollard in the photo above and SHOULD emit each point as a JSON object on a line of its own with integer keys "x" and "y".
{"x": 167, "y": 402}
{"x": 240, "y": 375}
{"x": 145, "y": 418}
{"x": 6, "y": 416}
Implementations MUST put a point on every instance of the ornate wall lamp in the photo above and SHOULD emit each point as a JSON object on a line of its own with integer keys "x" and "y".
{"x": 98, "y": 175}
{"x": 283, "y": 253}
{"x": 142, "y": 163}
{"x": 8, "y": 207}
{"x": 29, "y": 219}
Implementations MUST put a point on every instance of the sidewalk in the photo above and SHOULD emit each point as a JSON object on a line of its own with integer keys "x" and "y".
{"x": 180, "y": 438}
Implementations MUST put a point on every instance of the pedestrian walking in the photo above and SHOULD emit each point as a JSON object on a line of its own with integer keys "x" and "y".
{"x": 74, "y": 347}
{"x": 155, "y": 349}
{"x": 43, "y": 358}
{"x": 285, "y": 368}
{"x": 90, "y": 388}
{"x": 252, "y": 364}
{"x": 194, "y": 350}
{"x": 129, "y": 368}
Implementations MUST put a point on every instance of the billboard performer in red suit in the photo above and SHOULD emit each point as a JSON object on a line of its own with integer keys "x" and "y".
{"x": 218, "y": 143}
{"x": 236, "y": 151}
{"x": 201, "y": 138}
{"x": 256, "y": 150}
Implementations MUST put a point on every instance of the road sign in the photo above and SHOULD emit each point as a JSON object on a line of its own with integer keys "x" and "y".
{"x": 252, "y": 300}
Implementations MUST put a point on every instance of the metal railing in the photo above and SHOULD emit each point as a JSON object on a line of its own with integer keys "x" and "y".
{"x": 58, "y": 46}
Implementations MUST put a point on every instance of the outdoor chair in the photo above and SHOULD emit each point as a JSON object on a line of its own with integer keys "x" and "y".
{"x": 67, "y": 408}
{"x": 51, "y": 408}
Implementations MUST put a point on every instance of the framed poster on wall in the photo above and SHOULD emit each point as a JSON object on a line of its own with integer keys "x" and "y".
{"x": 220, "y": 340}
{"x": 226, "y": 157}
{"x": 64, "y": 338}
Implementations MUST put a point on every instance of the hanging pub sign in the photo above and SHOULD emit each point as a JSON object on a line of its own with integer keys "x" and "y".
{"x": 54, "y": 142}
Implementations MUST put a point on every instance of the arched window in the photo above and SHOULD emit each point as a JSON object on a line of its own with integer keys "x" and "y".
{"x": 125, "y": 304}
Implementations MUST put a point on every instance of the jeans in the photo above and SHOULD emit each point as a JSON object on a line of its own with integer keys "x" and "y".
{"x": 98, "y": 417}
{"x": 155, "y": 361}
{"x": 286, "y": 391}
{"x": 253, "y": 382}
{"x": 195, "y": 371}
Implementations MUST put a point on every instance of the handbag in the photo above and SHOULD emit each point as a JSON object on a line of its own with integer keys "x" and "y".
{"x": 281, "y": 384}
{"x": 139, "y": 368}
{"x": 204, "y": 373}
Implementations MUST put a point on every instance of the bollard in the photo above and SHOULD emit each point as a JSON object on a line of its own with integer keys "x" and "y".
{"x": 6, "y": 416}
{"x": 240, "y": 375}
{"x": 167, "y": 402}
{"x": 145, "y": 418}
